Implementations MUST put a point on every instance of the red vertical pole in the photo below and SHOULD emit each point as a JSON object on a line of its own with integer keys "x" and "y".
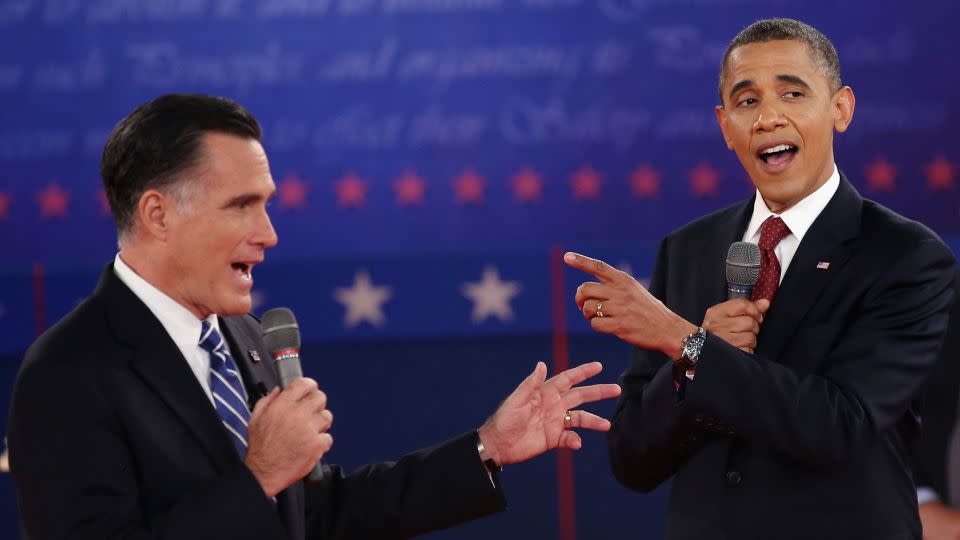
{"x": 39, "y": 309}
{"x": 561, "y": 361}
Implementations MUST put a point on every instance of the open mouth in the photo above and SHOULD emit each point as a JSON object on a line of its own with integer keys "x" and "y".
{"x": 243, "y": 269}
{"x": 775, "y": 155}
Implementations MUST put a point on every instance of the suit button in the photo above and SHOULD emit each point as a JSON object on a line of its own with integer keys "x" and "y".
{"x": 733, "y": 478}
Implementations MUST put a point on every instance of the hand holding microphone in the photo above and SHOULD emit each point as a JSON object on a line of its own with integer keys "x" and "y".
{"x": 737, "y": 321}
{"x": 288, "y": 429}
{"x": 621, "y": 306}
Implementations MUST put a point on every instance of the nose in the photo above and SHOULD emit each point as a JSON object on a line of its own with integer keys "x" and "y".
{"x": 265, "y": 234}
{"x": 769, "y": 119}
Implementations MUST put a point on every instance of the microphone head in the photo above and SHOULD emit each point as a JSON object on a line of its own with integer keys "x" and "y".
{"x": 743, "y": 263}
{"x": 280, "y": 330}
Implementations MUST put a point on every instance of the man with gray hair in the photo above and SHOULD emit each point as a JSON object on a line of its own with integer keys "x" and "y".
{"x": 160, "y": 386}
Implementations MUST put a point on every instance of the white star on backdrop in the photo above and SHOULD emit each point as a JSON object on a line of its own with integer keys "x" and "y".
{"x": 491, "y": 296}
{"x": 363, "y": 301}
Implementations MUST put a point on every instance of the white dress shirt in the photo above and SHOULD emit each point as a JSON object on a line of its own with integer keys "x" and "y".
{"x": 798, "y": 219}
{"x": 182, "y": 325}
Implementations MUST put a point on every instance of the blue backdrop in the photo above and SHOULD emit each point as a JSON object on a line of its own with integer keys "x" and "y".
{"x": 430, "y": 156}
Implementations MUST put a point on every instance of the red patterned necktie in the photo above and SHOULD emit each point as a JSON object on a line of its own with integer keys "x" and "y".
{"x": 772, "y": 232}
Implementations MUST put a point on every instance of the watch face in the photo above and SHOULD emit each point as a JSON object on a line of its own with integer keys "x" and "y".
{"x": 693, "y": 345}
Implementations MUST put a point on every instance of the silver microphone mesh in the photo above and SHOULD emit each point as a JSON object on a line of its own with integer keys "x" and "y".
{"x": 280, "y": 330}
{"x": 743, "y": 263}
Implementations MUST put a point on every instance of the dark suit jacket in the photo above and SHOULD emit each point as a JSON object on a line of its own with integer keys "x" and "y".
{"x": 939, "y": 412}
{"x": 809, "y": 437}
{"x": 111, "y": 436}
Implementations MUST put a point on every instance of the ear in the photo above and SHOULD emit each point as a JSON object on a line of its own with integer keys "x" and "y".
{"x": 154, "y": 212}
{"x": 722, "y": 120}
{"x": 843, "y": 104}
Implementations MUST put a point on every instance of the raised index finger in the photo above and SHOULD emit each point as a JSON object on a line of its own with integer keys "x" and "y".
{"x": 603, "y": 271}
{"x": 573, "y": 376}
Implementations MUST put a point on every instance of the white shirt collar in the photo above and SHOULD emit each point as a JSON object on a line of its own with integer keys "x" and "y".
{"x": 182, "y": 325}
{"x": 798, "y": 217}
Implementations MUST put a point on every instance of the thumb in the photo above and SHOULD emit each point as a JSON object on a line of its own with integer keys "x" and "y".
{"x": 763, "y": 305}
{"x": 533, "y": 380}
{"x": 539, "y": 374}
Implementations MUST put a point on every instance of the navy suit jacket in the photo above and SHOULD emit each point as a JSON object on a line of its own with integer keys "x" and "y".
{"x": 111, "y": 436}
{"x": 939, "y": 412}
{"x": 810, "y": 436}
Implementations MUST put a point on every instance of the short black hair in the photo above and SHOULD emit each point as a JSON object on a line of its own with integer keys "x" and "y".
{"x": 822, "y": 49}
{"x": 160, "y": 140}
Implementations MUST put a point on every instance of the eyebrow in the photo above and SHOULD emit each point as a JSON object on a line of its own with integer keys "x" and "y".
{"x": 243, "y": 199}
{"x": 793, "y": 79}
{"x": 747, "y": 83}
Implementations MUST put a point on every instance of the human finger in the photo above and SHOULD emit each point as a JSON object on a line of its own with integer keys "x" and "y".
{"x": 573, "y": 376}
{"x": 603, "y": 271}
{"x": 586, "y": 420}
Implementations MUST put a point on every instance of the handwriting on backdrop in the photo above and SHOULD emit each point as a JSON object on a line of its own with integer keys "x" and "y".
{"x": 518, "y": 122}
{"x": 120, "y": 11}
{"x": 125, "y": 11}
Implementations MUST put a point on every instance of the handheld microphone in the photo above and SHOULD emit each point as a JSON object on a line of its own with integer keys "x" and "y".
{"x": 281, "y": 335}
{"x": 743, "y": 269}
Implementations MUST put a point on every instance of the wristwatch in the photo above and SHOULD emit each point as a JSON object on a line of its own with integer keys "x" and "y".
{"x": 692, "y": 345}
{"x": 489, "y": 463}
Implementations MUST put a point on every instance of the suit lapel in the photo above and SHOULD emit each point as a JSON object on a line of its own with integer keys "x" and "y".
{"x": 716, "y": 282}
{"x": 827, "y": 241}
{"x": 162, "y": 367}
{"x": 251, "y": 357}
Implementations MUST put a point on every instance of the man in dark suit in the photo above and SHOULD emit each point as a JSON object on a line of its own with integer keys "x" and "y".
{"x": 149, "y": 384}
{"x": 792, "y": 415}
{"x": 937, "y": 459}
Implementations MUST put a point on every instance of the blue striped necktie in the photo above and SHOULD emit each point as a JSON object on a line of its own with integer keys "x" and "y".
{"x": 229, "y": 397}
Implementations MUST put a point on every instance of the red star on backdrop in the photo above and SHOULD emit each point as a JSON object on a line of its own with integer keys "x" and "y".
{"x": 881, "y": 175}
{"x": 53, "y": 202}
{"x": 351, "y": 191}
{"x": 101, "y": 197}
{"x": 585, "y": 183}
{"x": 645, "y": 182}
{"x": 704, "y": 180}
{"x": 940, "y": 174}
{"x": 527, "y": 185}
{"x": 4, "y": 205}
{"x": 409, "y": 189}
{"x": 469, "y": 187}
{"x": 292, "y": 192}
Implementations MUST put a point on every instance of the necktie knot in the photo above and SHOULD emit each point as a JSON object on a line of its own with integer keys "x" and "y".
{"x": 210, "y": 339}
{"x": 772, "y": 231}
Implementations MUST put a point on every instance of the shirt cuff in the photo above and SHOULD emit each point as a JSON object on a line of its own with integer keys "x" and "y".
{"x": 926, "y": 495}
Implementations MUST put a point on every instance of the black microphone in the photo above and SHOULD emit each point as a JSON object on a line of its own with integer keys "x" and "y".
{"x": 743, "y": 269}
{"x": 281, "y": 335}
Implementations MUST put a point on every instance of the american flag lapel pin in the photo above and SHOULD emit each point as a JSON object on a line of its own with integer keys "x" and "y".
{"x": 823, "y": 265}
{"x": 254, "y": 355}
